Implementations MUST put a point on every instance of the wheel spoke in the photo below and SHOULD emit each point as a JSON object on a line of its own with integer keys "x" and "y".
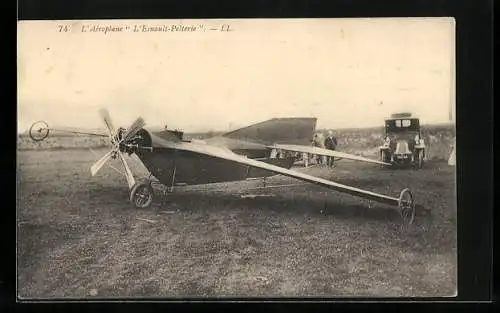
{"x": 406, "y": 207}
{"x": 138, "y": 201}
{"x": 142, "y": 196}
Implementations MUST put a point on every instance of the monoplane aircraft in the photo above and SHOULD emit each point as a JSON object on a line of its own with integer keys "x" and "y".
{"x": 238, "y": 155}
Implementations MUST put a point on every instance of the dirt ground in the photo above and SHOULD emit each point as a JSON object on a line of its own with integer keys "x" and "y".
{"x": 79, "y": 237}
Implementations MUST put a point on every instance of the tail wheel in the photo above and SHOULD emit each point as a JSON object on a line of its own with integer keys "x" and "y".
{"x": 141, "y": 195}
{"x": 406, "y": 206}
{"x": 39, "y": 131}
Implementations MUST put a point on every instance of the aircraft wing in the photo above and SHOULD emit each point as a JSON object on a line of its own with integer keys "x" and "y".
{"x": 325, "y": 152}
{"x": 227, "y": 154}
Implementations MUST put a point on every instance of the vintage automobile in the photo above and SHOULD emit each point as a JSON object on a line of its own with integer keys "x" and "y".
{"x": 403, "y": 143}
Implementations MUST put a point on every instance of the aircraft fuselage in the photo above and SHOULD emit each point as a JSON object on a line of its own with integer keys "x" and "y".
{"x": 174, "y": 167}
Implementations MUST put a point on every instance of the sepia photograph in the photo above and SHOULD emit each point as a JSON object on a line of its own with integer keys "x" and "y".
{"x": 236, "y": 158}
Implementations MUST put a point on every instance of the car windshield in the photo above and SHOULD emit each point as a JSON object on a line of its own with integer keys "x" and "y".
{"x": 402, "y": 125}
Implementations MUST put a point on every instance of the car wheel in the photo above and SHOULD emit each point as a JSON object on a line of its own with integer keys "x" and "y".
{"x": 384, "y": 156}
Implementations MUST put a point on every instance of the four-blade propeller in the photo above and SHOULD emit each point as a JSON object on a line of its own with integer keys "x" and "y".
{"x": 115, "y": 142}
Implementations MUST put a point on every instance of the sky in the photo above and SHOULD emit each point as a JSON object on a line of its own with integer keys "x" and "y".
{"x": 346, "y": 72}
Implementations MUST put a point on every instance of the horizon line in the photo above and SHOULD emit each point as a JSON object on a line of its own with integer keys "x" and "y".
{"x": 447, "y": 123}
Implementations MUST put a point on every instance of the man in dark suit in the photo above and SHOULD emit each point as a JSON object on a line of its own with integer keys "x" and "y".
{"x": 330, "y": 144}
{"x": 316, "y": 142}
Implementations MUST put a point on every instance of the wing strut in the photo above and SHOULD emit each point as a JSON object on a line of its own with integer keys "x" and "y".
{"x": 404, "y": 201}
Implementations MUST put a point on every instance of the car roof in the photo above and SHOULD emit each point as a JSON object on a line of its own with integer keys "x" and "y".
{"x": 402, "y": 118}
{"x": 402, "y": 115}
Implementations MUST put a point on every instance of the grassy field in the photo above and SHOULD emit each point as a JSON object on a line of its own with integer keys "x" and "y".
{"x": 79, "y": 237}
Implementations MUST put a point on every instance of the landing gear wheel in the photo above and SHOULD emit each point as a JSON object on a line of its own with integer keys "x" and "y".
{"x": 141, "y": 195}
{"x": 406, "y": 206}
{"x": 39, "y": 131}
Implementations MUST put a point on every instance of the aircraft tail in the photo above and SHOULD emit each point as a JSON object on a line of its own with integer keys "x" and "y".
{"x": 290, "y": 130}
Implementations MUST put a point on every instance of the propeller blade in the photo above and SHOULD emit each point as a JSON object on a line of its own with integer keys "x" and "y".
{"x": 107, "y": 120}
{"x": 98, "y": 165}
{"x": 129, "y": 175}
{"x": 114, "y": 168}
{"x": 133, "y": 129}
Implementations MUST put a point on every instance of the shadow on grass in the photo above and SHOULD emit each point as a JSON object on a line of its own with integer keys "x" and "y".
{"x": 303, "y": 204}
{"x": 280, "y": 205}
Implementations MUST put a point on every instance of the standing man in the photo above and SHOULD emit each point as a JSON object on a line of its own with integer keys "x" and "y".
{"x": 330, "y": 144}
{"x": 316, "y": 142}
{"x": 305, "y": 158}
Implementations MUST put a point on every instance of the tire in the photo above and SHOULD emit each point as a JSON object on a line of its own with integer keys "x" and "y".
{"x": 406, "y": 206}
{"x": 141, "y": 195}
{"x": 384, "y": 157}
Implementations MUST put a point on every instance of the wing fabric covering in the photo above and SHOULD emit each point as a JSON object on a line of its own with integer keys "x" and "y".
{"x": 289, "y": 130}
{"x": 326, "y": 152}
{"x": 227, "y": 154}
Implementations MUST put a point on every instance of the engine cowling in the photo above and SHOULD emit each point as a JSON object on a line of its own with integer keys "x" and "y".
{"x": 142, "y": 140}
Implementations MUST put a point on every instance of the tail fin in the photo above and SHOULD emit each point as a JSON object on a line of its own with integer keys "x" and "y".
{"x": 290, "y": 130}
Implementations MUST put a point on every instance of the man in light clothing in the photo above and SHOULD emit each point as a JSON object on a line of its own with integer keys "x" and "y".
{"x": 305, "y": 158}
